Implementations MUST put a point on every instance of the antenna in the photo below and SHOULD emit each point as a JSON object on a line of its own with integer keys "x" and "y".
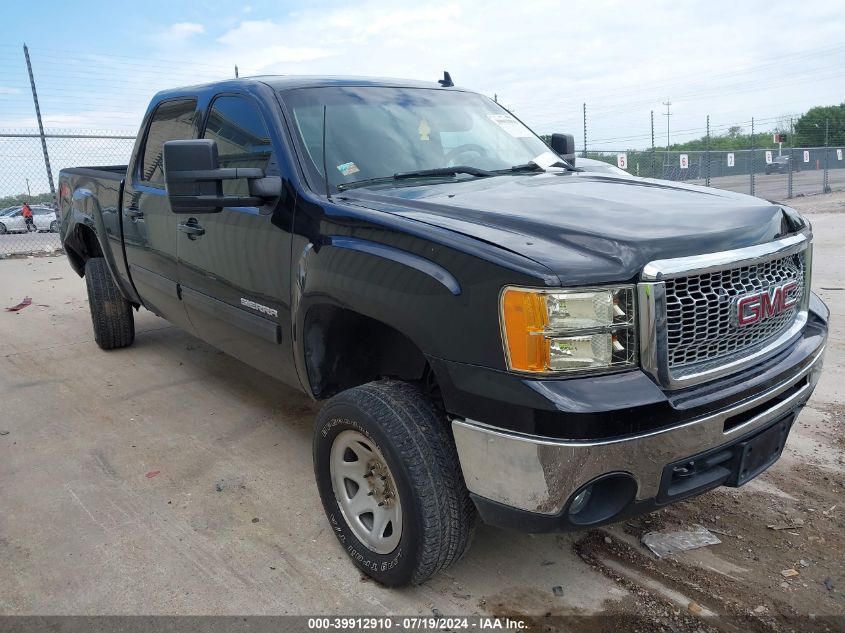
{"x": 325, "y": 168}
{"x": 446, "y": 82}
{"x": 236, "y": 71}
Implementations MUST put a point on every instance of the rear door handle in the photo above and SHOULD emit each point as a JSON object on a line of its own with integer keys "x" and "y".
{"x": 134, "y": 213}
{"x": 192, "y": 228}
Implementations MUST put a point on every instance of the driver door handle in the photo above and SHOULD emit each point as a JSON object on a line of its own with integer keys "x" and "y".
{"x": 192, "y": 228}
{"x": 134, "y": 213}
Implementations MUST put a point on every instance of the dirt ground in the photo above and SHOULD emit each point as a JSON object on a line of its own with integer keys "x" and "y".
{"x": 130, "y": 483}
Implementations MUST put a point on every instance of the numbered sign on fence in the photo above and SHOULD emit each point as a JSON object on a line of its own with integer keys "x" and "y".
{"x": 622, "y": 161}
{"x": 839, "y": 154}
{"x": 731, "y": 159}
{"x": 684, "y": 161}
{"x": 806, "y": 156}
{"x": 768, "y": 158}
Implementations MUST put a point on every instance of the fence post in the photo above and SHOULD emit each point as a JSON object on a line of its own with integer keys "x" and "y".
{"x": 791, "y": 156}
{"x": 653, "y": 163}
{"x": 707, "y": 155}
{"x": 40, "y": 127}
{"x": 826, "y": 178}
{"x": 585, "y": 131}
{"x": 752, "y": 156}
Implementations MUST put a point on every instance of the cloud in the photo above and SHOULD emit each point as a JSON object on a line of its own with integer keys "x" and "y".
{"x": 543, "y": 58}
{"x": 183, "y": 31}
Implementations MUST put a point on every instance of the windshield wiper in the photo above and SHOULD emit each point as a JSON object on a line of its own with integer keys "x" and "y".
{"x": 445, "y": 171}
{"x": 420, "y": 173}
{"x": 532, "y": 166}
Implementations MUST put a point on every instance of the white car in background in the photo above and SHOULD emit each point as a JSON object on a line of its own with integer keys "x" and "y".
{"x": 12, "y": 220}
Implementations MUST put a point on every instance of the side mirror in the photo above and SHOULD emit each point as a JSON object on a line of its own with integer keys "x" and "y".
{"x": 564, "y": 146}
{"x": 194, "y": 179}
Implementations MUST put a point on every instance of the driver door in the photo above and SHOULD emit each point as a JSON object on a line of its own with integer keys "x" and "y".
{"x": 234, "y": 276}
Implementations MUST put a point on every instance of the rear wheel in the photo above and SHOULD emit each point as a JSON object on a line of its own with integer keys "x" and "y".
{"x": 390, "y": 482}
{"x": 111, "y": 314}
{"x": 54, "y": 226}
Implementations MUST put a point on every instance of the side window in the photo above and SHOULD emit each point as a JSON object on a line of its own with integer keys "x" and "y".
{"x": 242, "y": 138}
{"x": 172, "y": 120}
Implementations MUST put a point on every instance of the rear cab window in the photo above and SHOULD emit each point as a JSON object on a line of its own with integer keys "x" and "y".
{"x": 172, "y": 120}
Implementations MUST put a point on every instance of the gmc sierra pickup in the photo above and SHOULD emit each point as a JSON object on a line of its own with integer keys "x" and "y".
{"x": 494, "y": 331}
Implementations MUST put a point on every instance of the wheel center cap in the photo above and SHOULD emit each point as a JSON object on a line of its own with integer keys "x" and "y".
{"x": 381, "y": 483}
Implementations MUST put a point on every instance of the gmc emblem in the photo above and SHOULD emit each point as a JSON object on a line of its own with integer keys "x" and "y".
{"x": 761, "y": 305}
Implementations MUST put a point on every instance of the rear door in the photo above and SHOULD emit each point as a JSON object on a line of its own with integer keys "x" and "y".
{"x": 149, "y": 226}
{"x": 235, "y": 277}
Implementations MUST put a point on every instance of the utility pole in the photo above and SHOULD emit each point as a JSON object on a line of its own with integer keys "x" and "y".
{"x": 585, "y": 130}
{"x": 236, "y": 71}
{"x": 495, "y": 98}
{"x": 40, "y": 126}
{"x": 28, "y": 192}
{"x": 667, "y": 114}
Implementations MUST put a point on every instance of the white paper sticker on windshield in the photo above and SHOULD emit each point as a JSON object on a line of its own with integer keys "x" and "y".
{"x": 545, "y": 160}
{"x": 510, "y": 125}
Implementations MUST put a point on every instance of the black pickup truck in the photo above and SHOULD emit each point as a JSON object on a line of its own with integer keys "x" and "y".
{"x": 494, "y": 331}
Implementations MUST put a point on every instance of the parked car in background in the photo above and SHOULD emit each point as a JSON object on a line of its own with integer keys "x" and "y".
{"x": 779, "y": 165}
{"x": 44, "y": 217}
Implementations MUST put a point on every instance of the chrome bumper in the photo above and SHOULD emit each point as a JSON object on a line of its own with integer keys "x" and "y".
{"x": 539, "y": 474}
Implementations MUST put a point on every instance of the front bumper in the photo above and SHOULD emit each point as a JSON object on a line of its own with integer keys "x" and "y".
{"x": 528, "y": 482}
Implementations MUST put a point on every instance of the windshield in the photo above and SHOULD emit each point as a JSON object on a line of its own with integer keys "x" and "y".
{"x": 376, "y": 132}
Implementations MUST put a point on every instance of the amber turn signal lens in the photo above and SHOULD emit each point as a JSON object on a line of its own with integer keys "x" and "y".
{"x": 525, "y": 319}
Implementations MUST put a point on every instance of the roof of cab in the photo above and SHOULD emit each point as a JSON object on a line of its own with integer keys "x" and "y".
{"x": 292, "y": 82}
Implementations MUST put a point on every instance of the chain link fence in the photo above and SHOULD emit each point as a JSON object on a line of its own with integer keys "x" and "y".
{"x": 23, "y": 179}
{"x": 771, "y": 174}
{"x": 766, "y": 173}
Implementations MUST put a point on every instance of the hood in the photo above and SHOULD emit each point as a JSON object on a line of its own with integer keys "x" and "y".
{"x": 586, "y": 227}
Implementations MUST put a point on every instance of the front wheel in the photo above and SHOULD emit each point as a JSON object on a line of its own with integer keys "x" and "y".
{"x": 54, "y": 226}
{"x": 388, "y": 475}
{"x": 3, "y": 229}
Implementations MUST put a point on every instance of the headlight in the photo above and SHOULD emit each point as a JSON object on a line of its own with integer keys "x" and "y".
{"x": 548, "y": 331}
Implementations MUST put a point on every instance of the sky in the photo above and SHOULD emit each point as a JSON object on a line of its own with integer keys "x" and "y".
{"x": 97, "y": 64}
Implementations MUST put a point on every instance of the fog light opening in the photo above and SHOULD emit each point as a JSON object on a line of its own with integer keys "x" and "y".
{"x": 601, "y": 499}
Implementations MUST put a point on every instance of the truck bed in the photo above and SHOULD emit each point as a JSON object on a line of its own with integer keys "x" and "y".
{"x": 109, "y": 172}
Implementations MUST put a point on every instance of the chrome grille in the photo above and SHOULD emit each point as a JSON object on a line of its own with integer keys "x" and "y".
{"x": 701, "y": 318}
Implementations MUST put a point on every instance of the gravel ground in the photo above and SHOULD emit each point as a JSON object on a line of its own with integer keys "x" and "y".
{"x": 86, "y": 529}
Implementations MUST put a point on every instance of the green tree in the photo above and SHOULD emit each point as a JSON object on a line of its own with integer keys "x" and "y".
{"x": 810, "y": 127}
{"x": 13, "y": 201}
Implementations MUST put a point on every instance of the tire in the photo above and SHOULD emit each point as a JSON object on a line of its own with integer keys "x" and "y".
{"x": 412, "y": 441}
{"x": 54, "y": 226}
{"x": 3, "y": 230}
{"x": 111, "y": 314}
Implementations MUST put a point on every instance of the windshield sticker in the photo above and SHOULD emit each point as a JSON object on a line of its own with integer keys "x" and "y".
{"x": 510, "y": 125}
{"x": 347, "y": 169}
{"x": 425, "y": 130}
{"x": 545, "y": 160}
